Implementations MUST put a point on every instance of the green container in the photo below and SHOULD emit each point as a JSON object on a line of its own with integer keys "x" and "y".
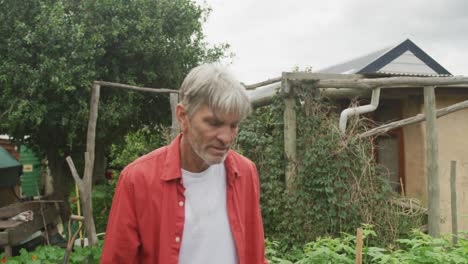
{"x": 31, "y": 183}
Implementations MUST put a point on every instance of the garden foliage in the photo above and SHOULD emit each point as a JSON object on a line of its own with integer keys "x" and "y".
{"x": 54, "y": 255}
{"x": 418, "y": 248}
{"x": 338, "y": 184}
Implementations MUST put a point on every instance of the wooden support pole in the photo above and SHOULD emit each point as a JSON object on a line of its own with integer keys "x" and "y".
{"x": 290, "y": 140}
{"x": 432, "y": 162}
{"x": 359, "y": 242}
{"x": 175, "y": 129}
{"x": 85, "y": 184}
{"x": 453, "y": 196}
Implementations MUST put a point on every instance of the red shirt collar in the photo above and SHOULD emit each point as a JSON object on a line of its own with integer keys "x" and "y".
{"x": 173, "y": 168}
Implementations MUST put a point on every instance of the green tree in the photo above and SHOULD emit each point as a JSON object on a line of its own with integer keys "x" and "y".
{"x": 52, "y": 50}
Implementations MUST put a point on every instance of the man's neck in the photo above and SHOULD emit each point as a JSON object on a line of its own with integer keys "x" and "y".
{"x": 189, "y": 160}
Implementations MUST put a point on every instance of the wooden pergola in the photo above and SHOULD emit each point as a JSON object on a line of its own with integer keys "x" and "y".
{"x": 288, "y": 83}
{"x": 353, "y": 84}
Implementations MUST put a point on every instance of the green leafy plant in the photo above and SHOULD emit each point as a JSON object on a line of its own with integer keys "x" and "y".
{"x": 54, "y": 254}
{"x": 417, "y": 248}
{"x": 338, "y": 184}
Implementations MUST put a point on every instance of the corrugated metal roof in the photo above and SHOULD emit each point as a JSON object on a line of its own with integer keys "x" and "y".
{"x": 404, "y": 59}
{"x": 354, "y": 65}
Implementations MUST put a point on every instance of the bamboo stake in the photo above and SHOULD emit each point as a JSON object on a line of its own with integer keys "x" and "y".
{"x": 359, "y": 246}
{"x": 432, "y": 163}
{"x": 78, "y": 208}
{"x": 453, "y": 196}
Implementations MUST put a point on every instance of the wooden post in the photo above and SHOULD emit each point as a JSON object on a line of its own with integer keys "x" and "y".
{"x": 289, "y": 118}
{"x": 8, "y": 251}
{"x": 290, "y": 141}
{"x": 174, "y": 100}
{"x": 453, "y": 196}
{"x": 359, "y": 246}
{"x": 87, "y": 204}
{"x": 432, "y": 162}
{"x": 85, "y": 184}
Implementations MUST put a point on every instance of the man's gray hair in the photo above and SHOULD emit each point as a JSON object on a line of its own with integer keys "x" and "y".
{"x": 214, "y": 86}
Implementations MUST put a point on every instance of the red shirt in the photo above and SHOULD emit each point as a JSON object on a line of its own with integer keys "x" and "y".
{"x": 147, "y": 217}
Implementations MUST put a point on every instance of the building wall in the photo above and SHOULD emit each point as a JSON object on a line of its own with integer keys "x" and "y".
{"x": 414, "y": 151}
{"x": 453, "y": 145}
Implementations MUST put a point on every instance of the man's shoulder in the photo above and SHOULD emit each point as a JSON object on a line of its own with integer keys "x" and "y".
{"x": 243, "y": 164}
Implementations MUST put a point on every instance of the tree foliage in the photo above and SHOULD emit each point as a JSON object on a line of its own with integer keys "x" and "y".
{"x": 52, "y": 50}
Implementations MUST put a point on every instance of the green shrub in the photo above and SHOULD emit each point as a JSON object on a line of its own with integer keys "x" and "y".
{"x": 338, "y": 184}
{"x": 137, "y": 144}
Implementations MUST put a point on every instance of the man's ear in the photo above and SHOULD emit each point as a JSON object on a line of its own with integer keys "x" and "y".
{"x": 182, "y": 117}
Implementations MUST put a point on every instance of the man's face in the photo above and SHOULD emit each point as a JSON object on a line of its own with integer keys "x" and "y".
{"x": 210, "y": 136}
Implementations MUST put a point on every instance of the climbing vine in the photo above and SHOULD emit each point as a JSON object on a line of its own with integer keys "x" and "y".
{"x": 338, "y": 185}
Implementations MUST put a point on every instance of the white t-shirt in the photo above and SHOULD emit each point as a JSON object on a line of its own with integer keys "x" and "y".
{"x": 207, "y": 237}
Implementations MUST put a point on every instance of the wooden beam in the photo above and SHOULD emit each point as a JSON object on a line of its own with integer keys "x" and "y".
{"x": 453, "y": 199}
{"x": 136, "y": 88}
{"x": 391, "y": 82}
{"x": 16, "y": 208}
{"x": 269, "y": 81}
{"x": 22, "y": 232}
{"x": 413, "y": 120}
{"x": 432, "y": 162}
{"x": 320, "y": 75}
{"x": 290, "y": 141}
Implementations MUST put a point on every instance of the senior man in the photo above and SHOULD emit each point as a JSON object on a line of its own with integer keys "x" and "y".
{"x": 195, "y": 201}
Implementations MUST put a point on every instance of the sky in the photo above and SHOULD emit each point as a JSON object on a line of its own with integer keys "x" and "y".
{"x": 271, "y": 36}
